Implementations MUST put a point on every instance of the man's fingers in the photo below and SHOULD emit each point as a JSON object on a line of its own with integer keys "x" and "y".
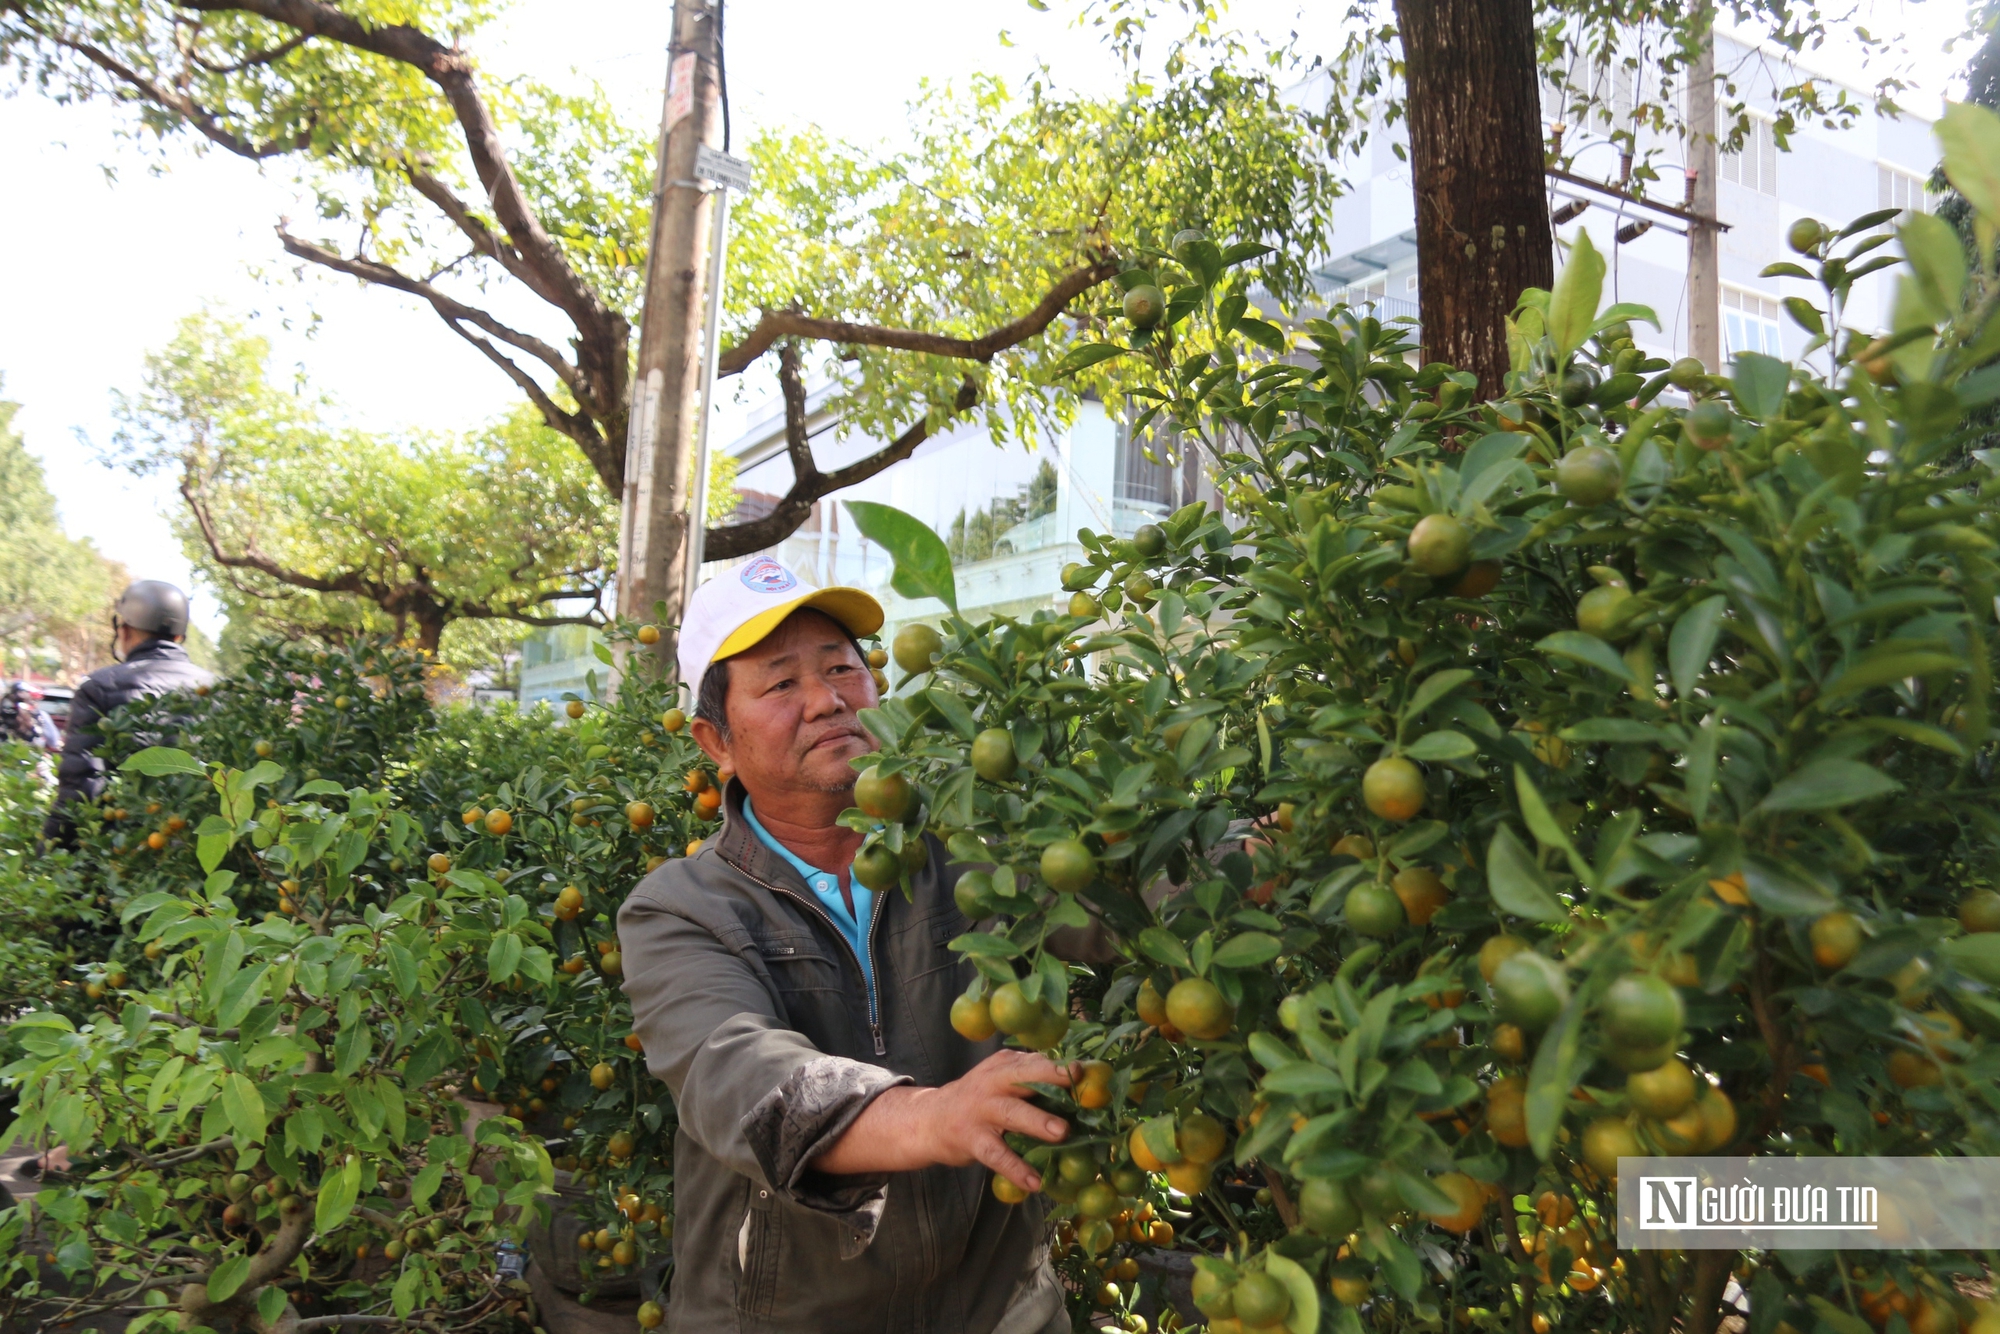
{"x": 989, "y": 1150}
{"x": 1030, "y": 1120}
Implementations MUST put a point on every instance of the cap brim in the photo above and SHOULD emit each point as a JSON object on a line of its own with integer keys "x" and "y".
{"x": 858, "y": 613}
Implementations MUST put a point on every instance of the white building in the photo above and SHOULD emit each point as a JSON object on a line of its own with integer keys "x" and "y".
{"x": 1832, "y": 175}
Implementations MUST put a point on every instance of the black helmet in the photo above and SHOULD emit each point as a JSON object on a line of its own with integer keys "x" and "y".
{"x": 154, "y": 606}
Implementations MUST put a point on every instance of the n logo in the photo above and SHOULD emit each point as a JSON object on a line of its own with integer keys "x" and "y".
{"x": 1666, "y": 1202}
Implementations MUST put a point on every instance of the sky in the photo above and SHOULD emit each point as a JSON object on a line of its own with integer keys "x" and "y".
{"x": 108, "y": 243}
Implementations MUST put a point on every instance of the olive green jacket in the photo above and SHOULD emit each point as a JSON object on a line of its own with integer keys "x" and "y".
{"x": 752, "y": 1009}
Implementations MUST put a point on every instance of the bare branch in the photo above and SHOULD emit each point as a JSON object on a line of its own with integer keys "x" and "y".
{"x": 740, "y": 539}
{"x": 775, "y": 324}
{"x": 451, "y": 309}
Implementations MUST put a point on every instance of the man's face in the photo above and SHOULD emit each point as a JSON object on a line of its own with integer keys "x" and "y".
{"x": 792, "y": 706}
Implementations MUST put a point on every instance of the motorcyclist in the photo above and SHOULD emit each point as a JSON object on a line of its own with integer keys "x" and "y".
{"x": 33, "y": 723}
{"x": 149, "y": 623}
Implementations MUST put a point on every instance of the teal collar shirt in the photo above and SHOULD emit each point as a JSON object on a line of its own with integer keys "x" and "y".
{"x": 825, "y": 886}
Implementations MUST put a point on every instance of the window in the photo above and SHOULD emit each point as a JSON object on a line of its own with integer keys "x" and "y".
{"x": 1901, "y": 189}
{"x": 1750, "y": 322}
{"x": 1138, "y": 478}
{"x": 1756, "y": 167}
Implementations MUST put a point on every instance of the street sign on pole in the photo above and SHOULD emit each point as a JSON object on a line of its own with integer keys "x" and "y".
{"x": 721, "y": 168}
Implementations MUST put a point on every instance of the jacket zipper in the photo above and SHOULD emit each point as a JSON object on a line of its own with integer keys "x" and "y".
{"x": 868, "y": 972}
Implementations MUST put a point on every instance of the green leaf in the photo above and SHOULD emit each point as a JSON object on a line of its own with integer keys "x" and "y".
{"x": 1880, "y": 669}
{"x": 1805, "y": 314}
{"x": 1573, "y": 300}
{"x": 1779, "y": 889}
{"x": 503, "y": 956}
{"x": 1299, "y": 1286}
{"x": 1542, "y": 823}
{"x": 923, "y": 561}
{"x": 1828, "y": 785}
{"x": 351, "y": 1047}
{"x": 1937, "y": 256}
{"x": 1976, "y": 956}
{"x": 1446, "y": 745}
{"x": 1163, "y": 946}
{"x": 1247, "y": 950}
{"x": 1588, "y": 649}
{"x": 228, "y": 1278}
{"x": 1558, "y": 1061}
{"x": 424, "y": 1185}
{"x": 1302, "y": 1079}
{"x": 244, "y": 1106}
{"x": 1784, "y": 268}
{"x": 1759, "y": 384}
{"x": 1433, "y": 689}
{"x": 1162, "y": 1136}
{"x": 160, "y": 761}
{"x": 1082, "y": 358}
{"x": 271, "y": 1304}
{"x": 337, "y": 1193}
{"x": 210, "y": 849}
{"x": 1692, "y": 642}
{"x": 1263, "y": 333}
{"x": 403, "y": 1297}
{"x": 1970, "y": 135}
{"x": 1516, "y": 881}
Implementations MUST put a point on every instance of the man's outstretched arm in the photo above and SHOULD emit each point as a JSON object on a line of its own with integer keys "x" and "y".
{"x": 904, "y": 1129}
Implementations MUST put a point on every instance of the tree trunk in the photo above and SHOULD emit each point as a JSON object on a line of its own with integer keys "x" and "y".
{"x": 666, "y": 388}
{"x": 1476, "y": 160}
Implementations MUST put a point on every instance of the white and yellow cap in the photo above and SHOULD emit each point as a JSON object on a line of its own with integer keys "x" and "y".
{"x": 735, "y": 611}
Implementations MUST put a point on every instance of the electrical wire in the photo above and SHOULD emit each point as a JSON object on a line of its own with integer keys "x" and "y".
{"x": 722, "y": 75}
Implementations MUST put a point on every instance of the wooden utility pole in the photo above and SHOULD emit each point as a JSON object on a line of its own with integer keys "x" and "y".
{"x": 667, "y": 383}
{"x": 1704, "y": 281}
{"x": 1476, "y": 159}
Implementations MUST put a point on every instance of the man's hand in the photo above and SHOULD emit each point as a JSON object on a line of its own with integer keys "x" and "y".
{"x": 909, "y": 1128}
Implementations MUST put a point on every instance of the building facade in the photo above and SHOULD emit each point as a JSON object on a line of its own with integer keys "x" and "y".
{"x": 1833, "y": 175}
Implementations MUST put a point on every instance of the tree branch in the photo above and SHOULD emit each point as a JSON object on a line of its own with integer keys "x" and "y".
{"x": 203, "y": 120}
{"x": 740, "y": 539}
{"x": 775, "y": 324}
{"x": 798, "y": 445}
{"x": 447, "y": 307}
{"x": 352, "y": 581}
{"x": 451, "y": 70}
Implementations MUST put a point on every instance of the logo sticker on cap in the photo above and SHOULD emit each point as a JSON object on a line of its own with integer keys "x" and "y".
{"x": 765, "y": 575}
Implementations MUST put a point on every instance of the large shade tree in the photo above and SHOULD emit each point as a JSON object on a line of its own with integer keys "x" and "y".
{"x": 928, "y": 282}
{"x": 306, "y": 526}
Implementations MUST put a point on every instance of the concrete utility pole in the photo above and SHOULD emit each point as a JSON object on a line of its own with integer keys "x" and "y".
{"x": 1704, "y": 282}
{"x": 667, "y": 385}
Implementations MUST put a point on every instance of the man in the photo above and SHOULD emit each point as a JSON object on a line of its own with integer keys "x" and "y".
{"x": 836, "y": 1135}
{"x": 148, "y": 625}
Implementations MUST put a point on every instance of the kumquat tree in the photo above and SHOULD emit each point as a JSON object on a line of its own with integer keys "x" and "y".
{"x": 1491, "y": 791}
{"x": 329, "y": 927}
{"x": 1603, "y": 770}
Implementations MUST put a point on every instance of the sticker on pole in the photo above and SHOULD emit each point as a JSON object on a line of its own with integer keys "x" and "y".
{"x": 680, "y": 89}
{"x": 723, "y": 169}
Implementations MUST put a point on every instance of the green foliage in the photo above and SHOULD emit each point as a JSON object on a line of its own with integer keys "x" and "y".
{"x": 939, "y": 236}
{"x": 55, "y": 590}
{"x": 1674, "y": 730}
{"x": 311, "y": 527}
{"x": 306, "y": 959}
